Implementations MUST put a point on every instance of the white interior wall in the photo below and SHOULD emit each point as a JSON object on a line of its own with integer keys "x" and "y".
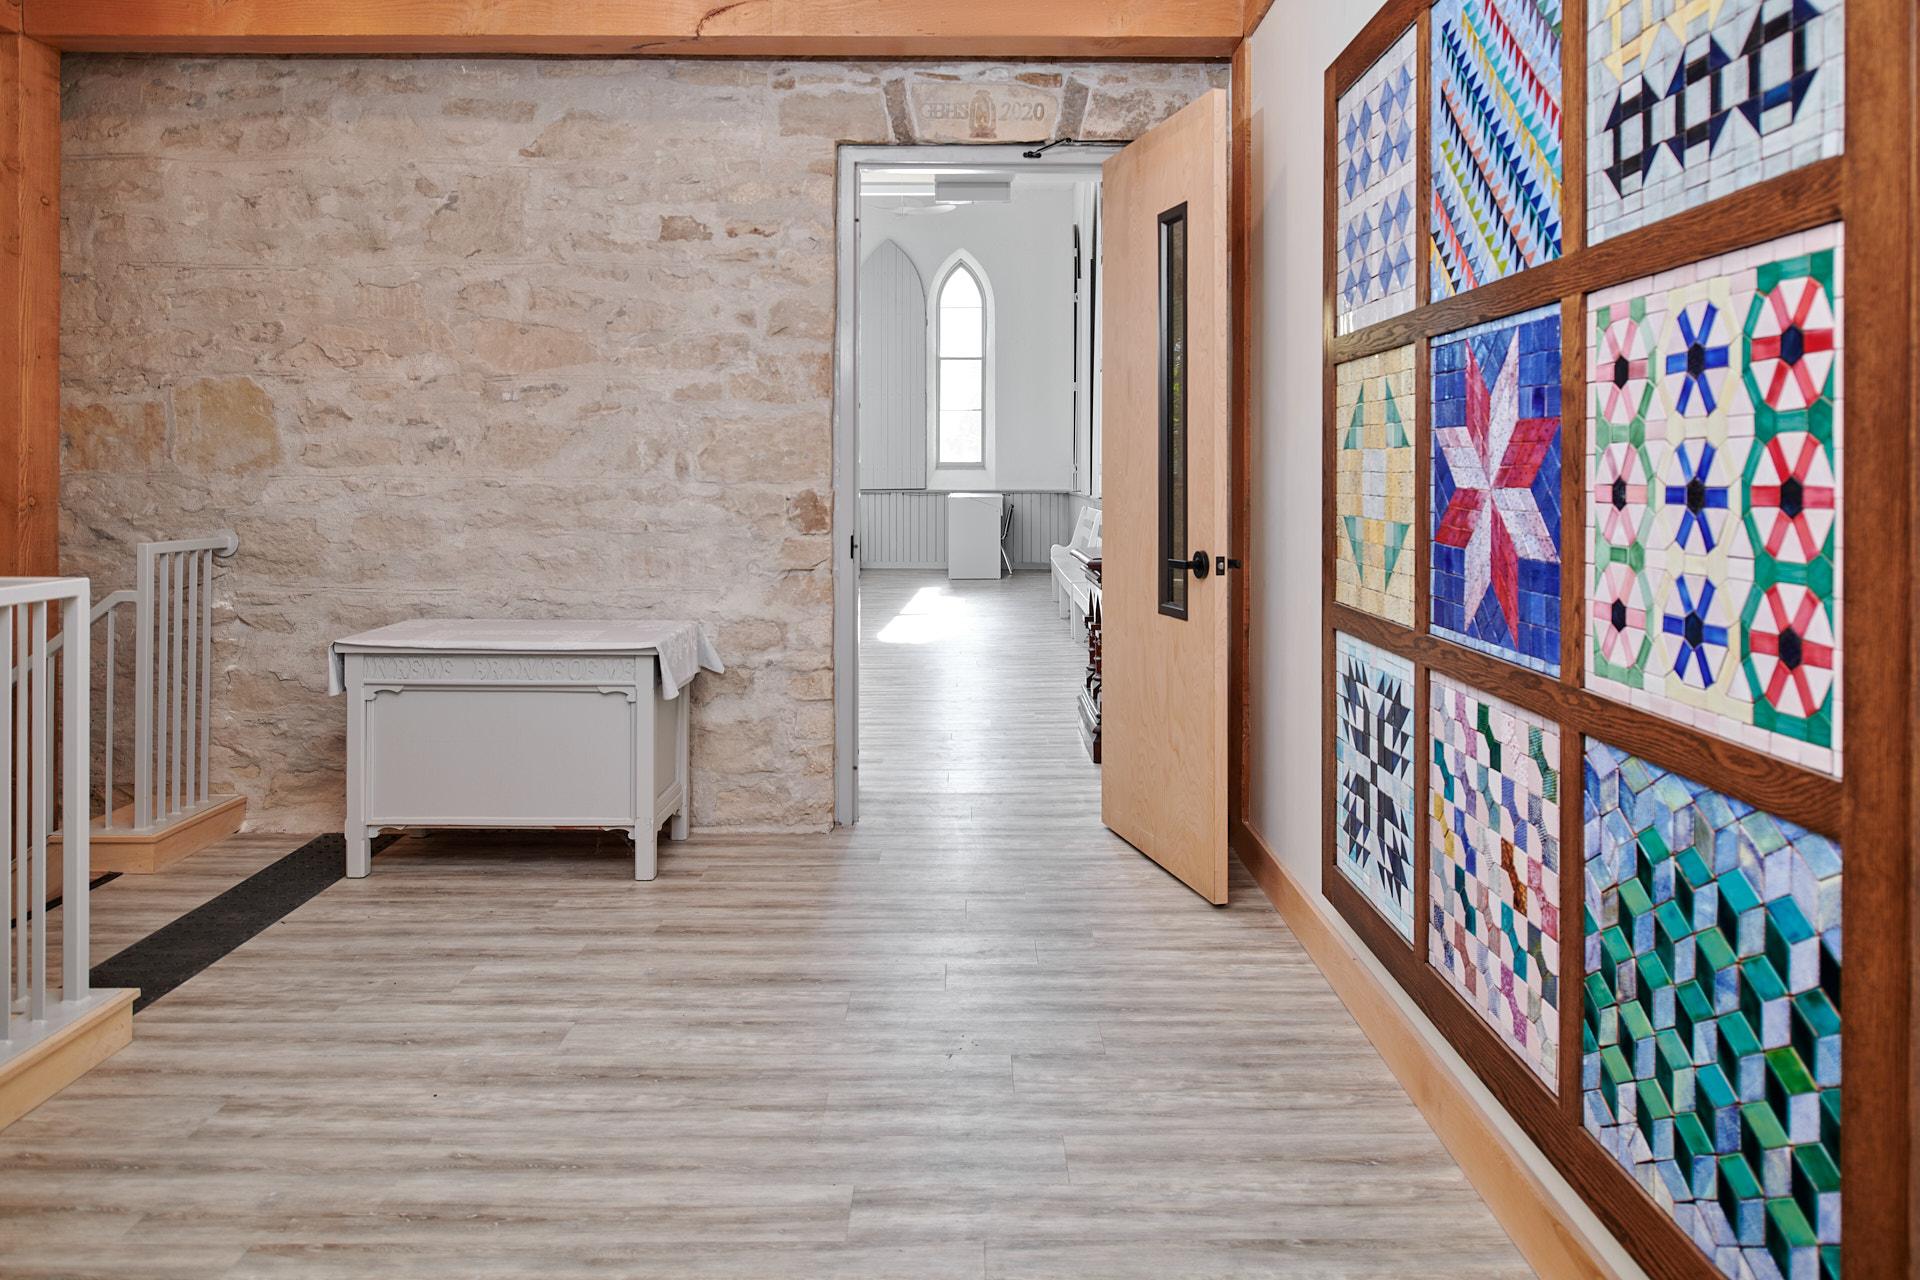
{"x": 1025, "y": 247}
{"x": 1290, "y": 54}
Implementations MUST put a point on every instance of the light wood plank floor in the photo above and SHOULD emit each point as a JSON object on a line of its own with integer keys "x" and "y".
{"x": 977, "y": 1036}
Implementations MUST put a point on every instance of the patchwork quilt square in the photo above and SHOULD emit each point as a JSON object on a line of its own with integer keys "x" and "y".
{"x": 1496, "y": 489}
{"x": 1374, "y": 500}
{"x": 1496, "y": 140}
{"x": 1711, "y": 1051}
{"x": 1376, "y": 201}
{"x": 1691, "y": 100}
{"x": 1374, "y": 761}
{"x": 1494, "y": 850}
{"x": 1713, "y": 468}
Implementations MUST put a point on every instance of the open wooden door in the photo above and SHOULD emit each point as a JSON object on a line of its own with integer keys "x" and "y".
{"x": 1167, "y": 428}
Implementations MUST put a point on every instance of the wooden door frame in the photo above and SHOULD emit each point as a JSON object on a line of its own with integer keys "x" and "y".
{"x": 1240, "y": 209}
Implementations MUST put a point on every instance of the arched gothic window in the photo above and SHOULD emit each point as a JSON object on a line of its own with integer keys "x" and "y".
{"x": 960, "y": 435}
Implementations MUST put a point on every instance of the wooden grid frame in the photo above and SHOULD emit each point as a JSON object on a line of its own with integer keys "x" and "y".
{"x": 1870, "y": 810}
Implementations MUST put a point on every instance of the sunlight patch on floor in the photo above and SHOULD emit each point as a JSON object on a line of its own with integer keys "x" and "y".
{"x": 931, "y": 616}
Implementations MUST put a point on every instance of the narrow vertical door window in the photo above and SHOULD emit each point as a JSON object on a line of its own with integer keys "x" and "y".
{"x": 962, "y": 341}
{"x": 1173, "y": 411}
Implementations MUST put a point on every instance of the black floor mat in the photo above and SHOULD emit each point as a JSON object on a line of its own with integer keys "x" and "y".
{"x": 176, "y": 952}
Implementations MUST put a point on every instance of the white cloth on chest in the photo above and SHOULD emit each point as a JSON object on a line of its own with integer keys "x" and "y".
{"x": 682, "y": 647}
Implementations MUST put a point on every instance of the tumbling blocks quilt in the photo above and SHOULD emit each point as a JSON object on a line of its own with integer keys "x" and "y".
{"x": 1374, "y": 759}
{"x": 1374, "y": 500}
{"x": 1713, "y": 468}
{"x": 1711, "y": 1056}
{"x": 1496, "y": 140}
{"x": 1376, "y": 136}
{"x": 1496, "y": 489}
{"x": 1690, "y": 100}
{"x": 1494, "y": 846}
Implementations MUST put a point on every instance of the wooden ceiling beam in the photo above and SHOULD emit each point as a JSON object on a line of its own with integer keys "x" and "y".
{"x": 859, "y": 29}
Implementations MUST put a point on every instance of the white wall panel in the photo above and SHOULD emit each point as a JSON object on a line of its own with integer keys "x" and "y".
{"x": 903, "y": 530}
{"x": 892, "y": 367}
{"x": 1039, "y": 521}
{"x": 908, "y": 530}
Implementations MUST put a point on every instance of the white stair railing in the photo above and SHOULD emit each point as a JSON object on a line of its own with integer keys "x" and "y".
{"x": 41, "y": 758}
{"x": 172, "y": 607}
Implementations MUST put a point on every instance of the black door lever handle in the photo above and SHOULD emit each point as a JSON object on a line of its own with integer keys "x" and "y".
{"x": 1199, "y": 566}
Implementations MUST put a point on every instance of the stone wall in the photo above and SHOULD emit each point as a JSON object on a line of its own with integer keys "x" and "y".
{"x": 492, "y": 338}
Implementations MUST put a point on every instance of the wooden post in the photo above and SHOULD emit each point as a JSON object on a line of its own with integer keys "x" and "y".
{"x": 30, "y": 305}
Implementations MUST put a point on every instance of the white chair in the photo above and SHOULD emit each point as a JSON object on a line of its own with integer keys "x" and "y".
{"x": 1006, "y": 527}
{"x": 1069, "y": 578}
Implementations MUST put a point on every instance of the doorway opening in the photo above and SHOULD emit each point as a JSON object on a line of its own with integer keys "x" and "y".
{"x": 967, "y": 474}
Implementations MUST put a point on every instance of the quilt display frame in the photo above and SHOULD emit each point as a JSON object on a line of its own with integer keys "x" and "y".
{"x": 1696, "y": 1099}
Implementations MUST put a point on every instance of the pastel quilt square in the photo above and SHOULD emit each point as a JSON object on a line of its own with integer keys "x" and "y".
{"x": 1496, "y": 140}
{"x": 1711, "y": 1038}
{"x": 1376, "y": 197}
{"x": 1714, "y": 496}
{"x": 1494, "y": 850}
{"x": 1691, "y": 100}
{"x": 1373, "y": 692}
{"x": 1496, "y": 489}
{"x": 1374, "y": 499}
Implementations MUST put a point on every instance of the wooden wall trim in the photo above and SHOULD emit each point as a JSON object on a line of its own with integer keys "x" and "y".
{"x": 1879, "y": 803}
{"x": 1241, "y": 213}
{"x": 1554, "y": 1244}
{"x": 1799, "y": 200}
{"x": 1811, "y": 799}
{"x": 56, "y": 1062}
{"x": 30, "y": 299}
{"x": 749, "y": 29}
{"x": 1912, "y": 837}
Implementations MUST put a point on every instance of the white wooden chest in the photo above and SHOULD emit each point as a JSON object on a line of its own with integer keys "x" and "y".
{"x": 518, "y": 724}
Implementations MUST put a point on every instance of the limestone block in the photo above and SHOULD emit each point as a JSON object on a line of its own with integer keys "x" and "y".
{"x": 766, "y": 449}
{"x": 809, "y": 513}
{"x": 842, "y": 115}
{"x": 224, "y": 425}
{"x": 485, "y": 213}
{"x": 525, "y": 348}
{"x": 798, "y": 318}
{"x": 515, "y": 112}
{"x": 103, "y": 437}
{"x": 811, "y": 686}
